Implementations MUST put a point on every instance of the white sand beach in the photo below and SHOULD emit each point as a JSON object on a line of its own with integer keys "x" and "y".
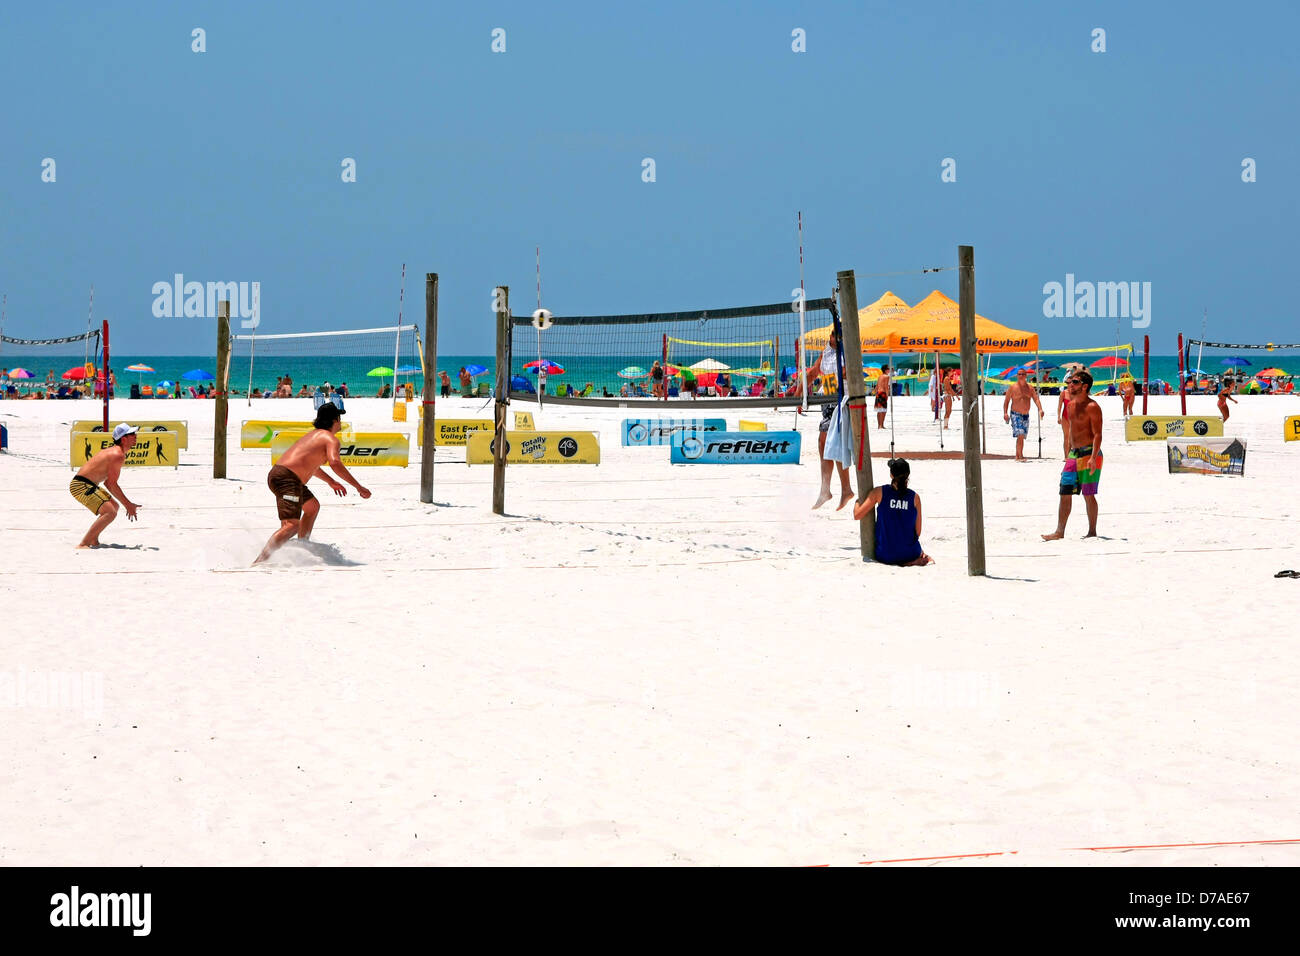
{"x": 647, "y": 664}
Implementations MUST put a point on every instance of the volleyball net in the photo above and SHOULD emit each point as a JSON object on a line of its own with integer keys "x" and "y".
{"x": 746, "y": 355}
{"x": 369, "y": 362}
{"x": 56, "y": 362}
{"x": 1117, "y": 361}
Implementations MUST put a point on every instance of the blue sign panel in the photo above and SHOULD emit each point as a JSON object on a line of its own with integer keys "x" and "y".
{"x": 736, "y": 448}
{"x": 660, "y": 431}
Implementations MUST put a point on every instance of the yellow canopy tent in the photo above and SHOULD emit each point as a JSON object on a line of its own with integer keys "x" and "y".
{"x": 887, "y": 306}
{"x": 932, "y": 325}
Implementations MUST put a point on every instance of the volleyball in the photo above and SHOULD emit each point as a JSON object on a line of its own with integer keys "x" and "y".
{"x": 1270, "y": 346}
{"x": 542, "y": 319}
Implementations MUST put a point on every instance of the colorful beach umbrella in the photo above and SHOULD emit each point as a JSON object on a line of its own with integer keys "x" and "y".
{"x": 1270, "y": 372}
{"x": 20, "y": 373}
{"x": 379, "y": 372}
{"x": 633, "y": 371}
{"x": 139, "y": 368}
{"x": 166, "y": 384}
{"x": 551, "y": 367}
{"x": 198, "y": 375}
{"x": 475, "y": 370}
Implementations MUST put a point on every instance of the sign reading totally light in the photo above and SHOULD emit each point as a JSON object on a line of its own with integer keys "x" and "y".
{"x": 536, "y": 448}
{"x": 1160, "y": 427}
{"x": 151, "y": 449}
{"x": 736, "y": 448}
{"x": 181, "y": 429}
{"x": 358, "y": 450}
{"x": 260, "y": 434}
{"x": 660, "y": 431}
{"x": 1224, "y": 456}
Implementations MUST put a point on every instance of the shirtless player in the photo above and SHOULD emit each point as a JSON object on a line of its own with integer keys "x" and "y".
{"x": 305, "y": 459}
{"x": 1083, "y": 459}
{"x": 1018, "y": 399}
{"x": 105, "y": 466}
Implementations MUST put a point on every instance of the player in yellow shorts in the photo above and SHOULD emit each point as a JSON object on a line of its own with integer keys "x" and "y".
{"x": 104, "y": 467}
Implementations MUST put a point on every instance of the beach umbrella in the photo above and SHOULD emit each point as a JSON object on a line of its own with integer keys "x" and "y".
{"x": 380, "y": 372}
{"x": 1270, "y": 372}
{"x": 1110, "y": 361}
{"x": 165, "y": 384}
{"x": 474, "y": 370}
{"x": 551, "y": 367}
{"x": 197, "y": 375}
{"x": 409, "y": 370}
{"x": 710, "y": 365}
{"x": 75, "y": 373}
{"x": 139, "y": 368}
{"x": 20, "y": 373}
{"x": 633, "y": 371}
{"x": 1234, "y": 361}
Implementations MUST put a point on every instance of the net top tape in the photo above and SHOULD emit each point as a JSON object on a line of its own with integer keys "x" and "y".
{"x": 63, "y": 341}
{"x": 1237, "y": 345}
{"x": 775, "y": 308}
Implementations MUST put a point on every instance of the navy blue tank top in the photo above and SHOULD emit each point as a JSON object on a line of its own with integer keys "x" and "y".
{"x": 896, "y": 541}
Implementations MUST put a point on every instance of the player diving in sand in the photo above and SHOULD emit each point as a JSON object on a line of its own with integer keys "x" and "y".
{"x": 105, "y": 466}
{"x": 305, "y": 459}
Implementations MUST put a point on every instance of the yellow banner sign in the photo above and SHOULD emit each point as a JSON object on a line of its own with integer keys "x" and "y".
{"x": 524, "y": 421}
{"x": 260, "y": 434}
{"x": 453, "y": 431}
{"x": 1160, "y": 427}
{"x": 359, "y": 449}
{"x": 1291, "y": 428}
{"x": 182, "y": 429}
{"x": 151, "y": 449}
{"x": 536, "y": 448}
{"x": 752, "y": 426}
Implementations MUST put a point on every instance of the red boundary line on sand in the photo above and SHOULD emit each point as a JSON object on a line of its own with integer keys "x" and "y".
{"x": 1084, "y": 849}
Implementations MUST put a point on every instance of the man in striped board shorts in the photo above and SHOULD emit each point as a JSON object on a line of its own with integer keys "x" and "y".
{"x": 1083, "y": 459}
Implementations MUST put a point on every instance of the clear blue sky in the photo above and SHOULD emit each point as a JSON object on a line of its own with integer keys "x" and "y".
{"x": 226, "y": 165}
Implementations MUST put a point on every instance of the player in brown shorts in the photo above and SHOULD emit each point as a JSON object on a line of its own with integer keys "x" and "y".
{"x": 295, "y": 505}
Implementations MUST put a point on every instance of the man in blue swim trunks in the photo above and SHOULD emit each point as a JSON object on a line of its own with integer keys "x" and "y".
{"x": 1015, "y": 409}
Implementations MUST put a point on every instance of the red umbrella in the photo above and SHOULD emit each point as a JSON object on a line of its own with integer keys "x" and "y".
{"x": 1110, "y": 361}
{"x": 74, "y": 373}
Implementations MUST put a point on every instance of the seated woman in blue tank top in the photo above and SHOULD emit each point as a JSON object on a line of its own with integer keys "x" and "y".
{"x": 898, "y": 519}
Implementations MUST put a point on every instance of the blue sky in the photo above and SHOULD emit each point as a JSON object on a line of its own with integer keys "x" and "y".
{"x": 225, "y": 165}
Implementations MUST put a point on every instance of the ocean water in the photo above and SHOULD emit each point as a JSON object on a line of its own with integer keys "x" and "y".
{"x": 600, "y": 371}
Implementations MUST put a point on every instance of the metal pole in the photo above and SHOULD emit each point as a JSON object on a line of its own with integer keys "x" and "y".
{"x": 105, "y": 375}
{"x": 855, "y": 387}
{"x": 970, "y": 416}
{"x": 502, "y": 401}
{"x": 428, "y": 415}
{"x": 222, "y": 389}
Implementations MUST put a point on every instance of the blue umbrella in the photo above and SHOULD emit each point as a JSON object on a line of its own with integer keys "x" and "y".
{"x": 409, "y": 370}
{"x": 1234, "y": 361}
{"x": 475, "y": 369}
{"x": 198, "y": 375}
{"x": 166, "y": 384}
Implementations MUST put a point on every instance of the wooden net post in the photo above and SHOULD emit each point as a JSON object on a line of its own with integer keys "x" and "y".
{"x": 223, "y": 388}
{"x": 427, "y": 416}
{"x": 502, "y": 401}
{"x": 855, "y": 387}
{"x": 970, "y": 415}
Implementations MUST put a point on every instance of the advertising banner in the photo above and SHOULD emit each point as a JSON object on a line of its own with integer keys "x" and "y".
{"x": 1291, "y": 428}
{"x": 1160, "y": 427}
{"x": 752, "y": 426}
{"x": 536, "y": 448}
{"x": 736, "y": 448}
{"x": 151, "y": 449}
{"x": 260, "y": 434}
{"x": 357, "y": 450}
{"x": 182, "y": 429}
{"x": 660, "y": 431}
{"x": 524, "y": 421}
{"x": 1211, "y": 456}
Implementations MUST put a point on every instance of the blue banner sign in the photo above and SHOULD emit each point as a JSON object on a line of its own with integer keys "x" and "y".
{"x": 736, "y": 448}
{"x": 660, "y": 431}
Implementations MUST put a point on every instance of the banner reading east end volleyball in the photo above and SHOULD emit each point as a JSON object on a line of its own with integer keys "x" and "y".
{"x": 536, "y": 448}
{"x": 1291, "y": 428}
{"x": 735, "y": 448}
{"x": 181, "y": 429}
{"x": 260, "y": 434}
{"x": 358, "y": 450}
{"x": 660, "y": 431}
{"x": 1223, "y": 456}
{"x": 452, "y": 431}
{"x": 151, "y": 449}
{"x": 1160, "y": 427}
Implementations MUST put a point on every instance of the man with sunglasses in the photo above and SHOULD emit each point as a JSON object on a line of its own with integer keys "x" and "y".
{"x": 1083, "y": 459}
